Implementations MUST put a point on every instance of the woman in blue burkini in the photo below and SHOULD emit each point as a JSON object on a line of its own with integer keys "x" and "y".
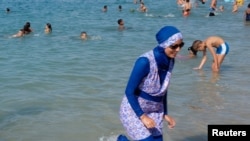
{"x": 144, "y": 105}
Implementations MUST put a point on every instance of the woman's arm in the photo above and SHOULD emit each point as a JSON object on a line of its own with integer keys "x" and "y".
{"x": 140, "y": 70}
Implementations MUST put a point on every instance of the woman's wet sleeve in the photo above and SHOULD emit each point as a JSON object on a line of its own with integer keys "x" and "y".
{"x": 140, "y": 70}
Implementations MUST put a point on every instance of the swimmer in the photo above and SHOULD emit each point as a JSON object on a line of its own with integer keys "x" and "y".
{"x": 120, "y": 24}
{"x": 7, "y": 10}
{"x": 105, "y": 8}
{"x": 120, "y": 8}
{"x": 27, "y": 28}
{"x": 48, "y": 28}
{"x": 186, "y": 8}
{"x": 84, "y": 35}
{"x": 222, "y": 49}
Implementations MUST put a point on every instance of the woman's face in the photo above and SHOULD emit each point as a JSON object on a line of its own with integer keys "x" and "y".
{"x": 174, "y": 49}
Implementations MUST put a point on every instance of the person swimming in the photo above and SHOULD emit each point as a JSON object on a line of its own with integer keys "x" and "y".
{"x": 7, "y": 10}
{"x": 48, "y": 28}
{"x": 27, "y": 28}
{"x": 84, "y": 35}
{"x": 247, "y": 13}
{"x": 186, "y": 8}
{"x": 105, "y": 8}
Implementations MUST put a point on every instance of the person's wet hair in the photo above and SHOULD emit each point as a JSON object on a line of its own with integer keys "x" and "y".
{"x": 27, "y": 24}
{"x": 193, "y": 51}
{"x": 248, "y": 5}
{"x": 49, "y": 26}
{"x": 119, "y": 21}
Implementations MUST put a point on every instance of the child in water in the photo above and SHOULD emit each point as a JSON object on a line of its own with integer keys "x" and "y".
{"x": 210, "y": 43}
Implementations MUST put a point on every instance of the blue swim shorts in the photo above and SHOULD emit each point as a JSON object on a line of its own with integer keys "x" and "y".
{"x": 223, "y": 49}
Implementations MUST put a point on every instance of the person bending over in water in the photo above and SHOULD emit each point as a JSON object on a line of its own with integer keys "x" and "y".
{"x": 105, "y": 8}
{"x": 222, "y": 49}
{"x": 7, "y": 10}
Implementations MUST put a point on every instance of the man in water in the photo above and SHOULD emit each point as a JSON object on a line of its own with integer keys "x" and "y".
{"x": 121, "y": 24}
{"x": 84, "y": 35}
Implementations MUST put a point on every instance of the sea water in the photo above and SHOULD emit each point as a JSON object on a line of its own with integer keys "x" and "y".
{"x": 57, "y": 87}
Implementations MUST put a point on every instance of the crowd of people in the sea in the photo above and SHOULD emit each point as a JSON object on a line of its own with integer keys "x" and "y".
{"x": 186, "y": 5}
{"x": 27, "y": 29}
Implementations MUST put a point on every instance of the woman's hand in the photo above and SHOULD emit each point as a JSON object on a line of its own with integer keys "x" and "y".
{"x": 170, "y": 120}
{"x": 147, "y": 121}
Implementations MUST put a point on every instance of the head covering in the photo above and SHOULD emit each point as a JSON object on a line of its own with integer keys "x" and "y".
{"x": 167, "y": 36}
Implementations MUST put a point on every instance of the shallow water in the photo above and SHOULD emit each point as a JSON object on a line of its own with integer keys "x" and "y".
{"x": 58, "y": 87}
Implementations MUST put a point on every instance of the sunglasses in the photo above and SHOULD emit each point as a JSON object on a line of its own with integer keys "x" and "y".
{"x": 177, "y": 45}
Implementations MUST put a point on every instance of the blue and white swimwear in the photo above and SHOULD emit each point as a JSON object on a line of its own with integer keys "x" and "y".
{"x": 223, "y": 49}
{"x": 147, "y": 90}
